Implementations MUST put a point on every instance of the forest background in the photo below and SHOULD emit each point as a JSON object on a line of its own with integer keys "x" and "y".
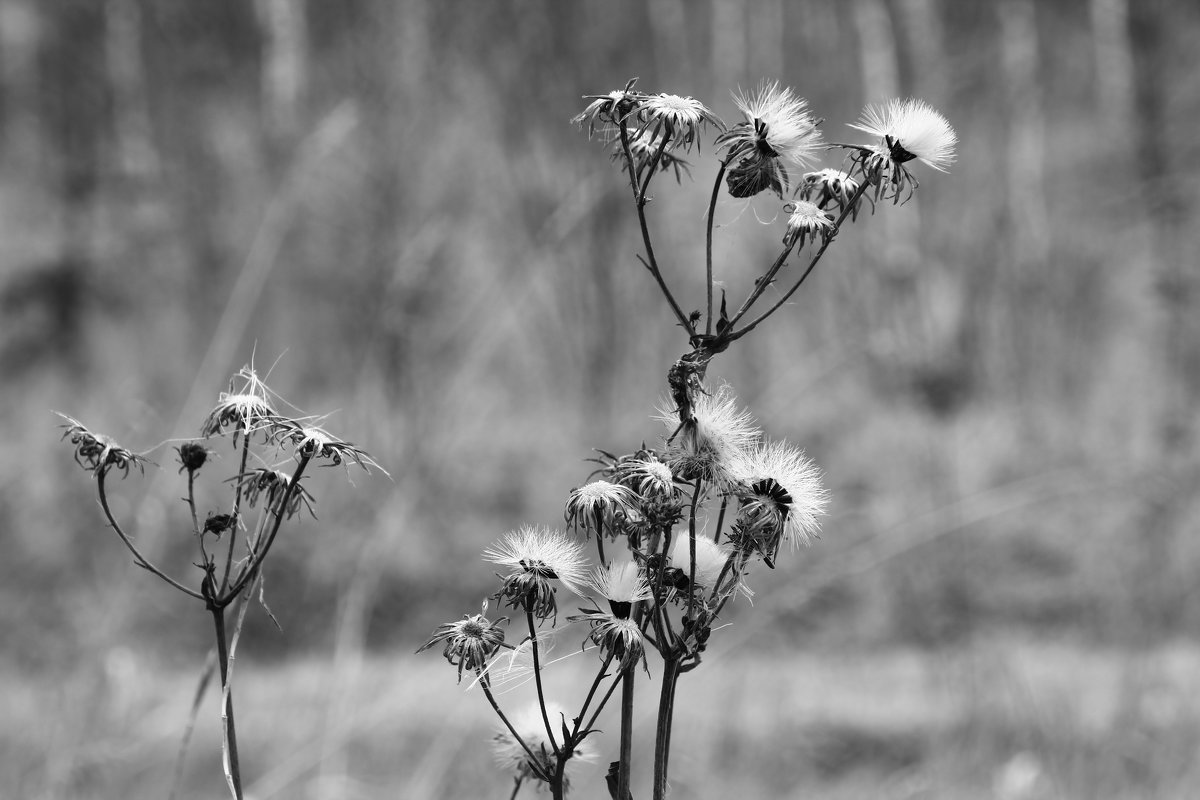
{"x": 384, "y": 204}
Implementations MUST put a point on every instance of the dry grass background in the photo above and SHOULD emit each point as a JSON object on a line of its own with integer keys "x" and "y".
{"x": 999, "y": 380}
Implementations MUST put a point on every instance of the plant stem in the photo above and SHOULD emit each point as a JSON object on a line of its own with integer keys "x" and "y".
{"x": 537, "y": 679}
{"x": 639, "y": 200}
{"x": 708, "y": 246}
{"x": 692, "y": 549}
{"x": 233, "y": 766}
{"x": 837, "y": 226}
{"x": 139, "y": 559}
{"x": 251, "y": 569}
{"x": 626, "y": 756}
{"x": 534, "y": 763}
{"x": 662, "y": 734}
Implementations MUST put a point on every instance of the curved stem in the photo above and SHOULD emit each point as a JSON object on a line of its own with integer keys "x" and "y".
{"x": 639, "y": 200}
{"x": 537, "y": 679}
{"x": 534, "y": 764}
{"x": 708, "y": 246}
{"x": 139, "y": 559}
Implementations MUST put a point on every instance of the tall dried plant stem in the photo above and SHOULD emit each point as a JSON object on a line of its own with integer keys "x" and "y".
{"x": 233, "y": 770}
{"x": 626, "y": 752}
{"x": 662, "y": 734}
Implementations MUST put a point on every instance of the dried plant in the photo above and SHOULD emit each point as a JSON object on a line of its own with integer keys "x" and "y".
{"x": 273, "y": 452}
{"x": 662, "y": 575}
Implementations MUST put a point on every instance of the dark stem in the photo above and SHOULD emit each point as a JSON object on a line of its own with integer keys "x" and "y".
{"x": 708, "y": 246}
{"x": 537, "y": 679}
{"x": 237, "y": 504}
{"x": 837, "y": 226}
{"x": 587, "y": 701}
{"x": 662, "y": 735}
{"x": 692, "y": 549}
{"x": 639, "y": 199}
{"x": 536, "y": 765}
{"x": 626, "y": 756}
{"x": 256, "y": 561}
{"x": 235, "y": 770}
{"x": 599, "y": 513}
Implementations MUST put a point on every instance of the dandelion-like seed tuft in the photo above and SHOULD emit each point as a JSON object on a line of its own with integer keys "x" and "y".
{"x": 778, "y": 130}
{"x": 709, "y": 443}
{"x": 535, "y": 558}
{"x": 907, "y": 130}
{"x": 781, "y": 496}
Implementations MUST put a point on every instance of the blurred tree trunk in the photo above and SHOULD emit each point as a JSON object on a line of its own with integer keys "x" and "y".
{"x": 1165, "y": 581}
{"x": 284, "y": 66}
{"x": 728, "y": 42}
{"x": 1113, "y": 54}
{"x": 926, "y": 37}
{"x": 1025, "y": 231}
{"x": 74, "y": 114}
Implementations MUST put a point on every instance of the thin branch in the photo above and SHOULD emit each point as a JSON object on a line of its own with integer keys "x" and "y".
{"x": 708, "y": 246}
{"x": 639, "y": 200}
{"x": 139, "y": 559}
{"x": 837, "y": 226}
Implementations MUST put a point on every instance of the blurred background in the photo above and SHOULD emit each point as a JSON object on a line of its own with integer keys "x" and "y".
{"x": 383, "y": 205}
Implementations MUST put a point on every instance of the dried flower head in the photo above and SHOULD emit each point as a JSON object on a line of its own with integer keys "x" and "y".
{"x": 677, "y": 120}
{"x": 314, "y": 442}
{"x": 708, "y": 444}
{"x": 596, "y": 505}
{"x": 831, "y": 188}
{"x": 192, "y": 456}
{"x": 778, "y": 128}
{"x": 272, "y": 484}
{"x": 781, "y": 495}
{"x": 97, "y": 452}
{"x": 907, "y": 129}
{"x": 515, "y": 758}
{"x": 606, "y": 111}
{"x": 536, "y": 557}
{"x": 646, "y": 475}
{"x": 245, "y": 408}
{"x": 470, "y": 642}
{"x": 614, "y": 635}
{"x": 806, "y": 223}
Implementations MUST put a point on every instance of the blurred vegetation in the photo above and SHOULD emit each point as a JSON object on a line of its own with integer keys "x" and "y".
{"x": 383, "y": 203}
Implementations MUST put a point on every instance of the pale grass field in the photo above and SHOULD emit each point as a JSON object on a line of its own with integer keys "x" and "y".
{"x": 1007, "y": 720}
